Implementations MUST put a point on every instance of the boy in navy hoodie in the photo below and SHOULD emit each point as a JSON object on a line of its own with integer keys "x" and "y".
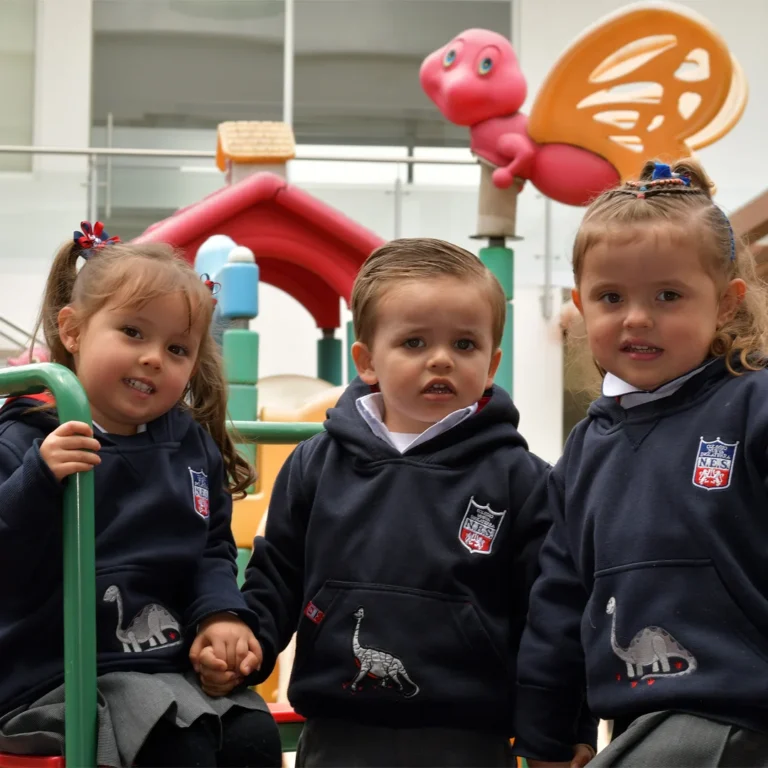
{"x": 402, "y": 542}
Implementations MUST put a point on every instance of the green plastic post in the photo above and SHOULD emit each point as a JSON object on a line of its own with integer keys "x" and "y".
{"x": 243, "y": 557}
{"x": 500, "y": 260}
{"x": 240, "y": 349}
{"x": 241, "y": 355}
{"x": 329, "y": 357}
{"x": 351, "y": 370}
{"x": 79, "y": 564}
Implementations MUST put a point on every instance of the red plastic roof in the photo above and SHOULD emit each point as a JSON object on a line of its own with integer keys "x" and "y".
{"x": 303, "y": 246}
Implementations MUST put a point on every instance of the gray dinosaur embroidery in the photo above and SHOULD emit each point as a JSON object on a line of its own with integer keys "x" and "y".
{"x": 378, "y": 664}
{"x": 651, "y": 647}
{"x": 146, "y": 627}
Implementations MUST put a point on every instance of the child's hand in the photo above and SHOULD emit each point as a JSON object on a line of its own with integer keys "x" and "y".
{"x": 215, "y": 678}
{"x": 582, "y": 754}
{"x": 232, "y": 643}
{"x": 69, "y": 449}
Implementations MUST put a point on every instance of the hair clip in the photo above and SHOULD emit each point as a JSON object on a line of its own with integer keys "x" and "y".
{"x": 92, "y": 238}
{"x": 663, "y": 171}
{"x": 211, "y": 286}
{"x": 662, "y": 180}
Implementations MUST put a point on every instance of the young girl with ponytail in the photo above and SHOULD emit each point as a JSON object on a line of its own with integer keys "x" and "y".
{"x": 133, "y": 323}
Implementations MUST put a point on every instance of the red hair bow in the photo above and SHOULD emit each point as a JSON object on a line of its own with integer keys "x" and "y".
{"x": 93, "y": 237}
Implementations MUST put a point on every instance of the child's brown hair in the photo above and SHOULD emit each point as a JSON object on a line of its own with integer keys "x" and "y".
{"x": 419, "y": 258}
{"x": 141, "y": 273}
{"x": 629, "y": 208}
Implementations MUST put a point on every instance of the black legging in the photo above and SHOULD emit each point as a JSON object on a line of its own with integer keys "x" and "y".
{"x": 250, "y": 740}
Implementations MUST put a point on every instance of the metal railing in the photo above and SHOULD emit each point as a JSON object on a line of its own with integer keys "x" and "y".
{"x": 80, "y": 547}
{"x": 7, "y": 331}
{"x": 203, "y": 154}
{"x": 94, "y": 184}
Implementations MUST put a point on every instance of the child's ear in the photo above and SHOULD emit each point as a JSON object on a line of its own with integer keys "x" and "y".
{"x": 363, "y": 360}
{"x": 495, "y": 360}
{"x": 732, "y": 297}
{"x": 69, "y": 329}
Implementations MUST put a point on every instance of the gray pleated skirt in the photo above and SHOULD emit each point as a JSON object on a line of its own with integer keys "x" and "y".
{"x": 130, "y": 704}
{"x": 678, "y": 740}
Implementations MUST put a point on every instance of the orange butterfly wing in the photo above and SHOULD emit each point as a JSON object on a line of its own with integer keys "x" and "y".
{"x": 647, "y": 82}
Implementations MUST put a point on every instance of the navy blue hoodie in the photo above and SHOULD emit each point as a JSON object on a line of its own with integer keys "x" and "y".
{"x": 407, "y": 574}
{"x": 165, "y": 557}
{"x": 654, "y": 584}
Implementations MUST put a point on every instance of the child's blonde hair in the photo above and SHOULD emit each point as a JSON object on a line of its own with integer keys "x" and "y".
{"x": 420, "y": 258}
{"x": 627, "y": 209}
{"x": 138, "y": 274}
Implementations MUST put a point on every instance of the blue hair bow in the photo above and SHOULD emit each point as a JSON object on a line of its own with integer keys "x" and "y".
{"x": 663, "y": 171}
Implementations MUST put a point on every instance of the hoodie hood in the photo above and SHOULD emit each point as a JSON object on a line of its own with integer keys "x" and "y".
{"x": 494, "y": 424}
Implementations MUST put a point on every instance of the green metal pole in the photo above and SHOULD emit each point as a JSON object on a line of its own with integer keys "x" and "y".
{"x": 329, "y": 357}
{"x": 500, "y": 260}
{"x": 79, "y": 564}
{"x": 276, "y": 432}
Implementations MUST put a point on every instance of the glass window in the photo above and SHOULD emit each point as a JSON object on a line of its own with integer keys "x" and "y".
{"x": 17, "y": 79}
{"x": 187, "y": 63}
{"x": 357, "y": 68}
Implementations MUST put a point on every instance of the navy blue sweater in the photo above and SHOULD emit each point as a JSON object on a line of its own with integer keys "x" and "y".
{"x": 654, "y": 584}
{"x": 407, "y": 576}
{"x": 165, "y": 558}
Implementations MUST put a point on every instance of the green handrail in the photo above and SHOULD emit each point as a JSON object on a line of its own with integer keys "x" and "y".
{"x": 277, "y": 432}
{"x": 79, "y": 563}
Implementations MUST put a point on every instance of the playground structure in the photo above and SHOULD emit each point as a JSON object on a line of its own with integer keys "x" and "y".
{"x": 650, "y": 80}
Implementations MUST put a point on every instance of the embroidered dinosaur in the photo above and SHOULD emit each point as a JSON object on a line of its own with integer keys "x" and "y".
{"x": 146, "y": 627}
{"x": 378, "y": 664}
{"x": 651, "y": 647}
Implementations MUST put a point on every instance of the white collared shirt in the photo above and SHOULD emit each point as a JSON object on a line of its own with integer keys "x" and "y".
{"x": 371, "y": 408}
{"x": 141, "y": 428}
{"x": 630, "y": 396}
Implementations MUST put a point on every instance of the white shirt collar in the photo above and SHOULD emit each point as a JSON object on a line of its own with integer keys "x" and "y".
{"x": 630, "y": 396}
{"x": 141, "y": 428}
{"x": 371, "y": 408}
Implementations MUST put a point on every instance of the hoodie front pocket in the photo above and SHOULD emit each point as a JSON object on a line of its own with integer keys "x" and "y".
{"x": 670, "y": 629}
{"x": 398, "y": 643}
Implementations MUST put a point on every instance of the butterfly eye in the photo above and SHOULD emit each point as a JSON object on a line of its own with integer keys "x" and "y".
{"x": 485, "y": 65}
{"x": 449, "y": 57}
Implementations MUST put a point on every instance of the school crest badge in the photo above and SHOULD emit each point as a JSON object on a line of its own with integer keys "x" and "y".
{"x": 200, "y": 493}
{"x": 714, "y": 464}
{"x": 479, "y": 527}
